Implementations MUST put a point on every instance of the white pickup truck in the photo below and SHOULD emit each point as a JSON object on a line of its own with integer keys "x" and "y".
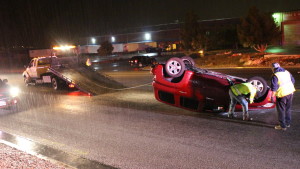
{"x": 64, "y": 73}
{"x": 43, "y": 70}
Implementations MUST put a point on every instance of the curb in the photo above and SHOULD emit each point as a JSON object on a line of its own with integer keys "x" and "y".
{"x": 51, "y": 154}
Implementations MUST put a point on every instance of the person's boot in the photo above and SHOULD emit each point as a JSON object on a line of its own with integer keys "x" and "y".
{"x": 246, "y": 116}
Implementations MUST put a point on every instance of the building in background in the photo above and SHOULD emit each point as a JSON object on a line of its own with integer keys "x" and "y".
{"x": 289, "y": 23}
{"x": 167, "y": 36}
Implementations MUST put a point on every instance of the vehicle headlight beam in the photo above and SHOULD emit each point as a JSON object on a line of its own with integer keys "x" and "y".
{"x": 14, "y": 91}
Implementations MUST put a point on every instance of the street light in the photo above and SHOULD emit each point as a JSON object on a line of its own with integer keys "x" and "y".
{"x": 147, "y": 36}
{"x": 93, "y": 40}
{"x": 113, "y": 39}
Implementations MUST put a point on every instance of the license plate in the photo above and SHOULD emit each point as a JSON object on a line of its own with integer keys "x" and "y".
{"x": 2, "y": 103}
{"x": 47, "y": 79}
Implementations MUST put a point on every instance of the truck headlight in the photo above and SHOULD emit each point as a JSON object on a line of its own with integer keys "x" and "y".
{"x": 14, "y": 91}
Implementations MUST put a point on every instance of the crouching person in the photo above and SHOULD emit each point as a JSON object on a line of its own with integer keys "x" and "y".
{"x": 240, "y": 93}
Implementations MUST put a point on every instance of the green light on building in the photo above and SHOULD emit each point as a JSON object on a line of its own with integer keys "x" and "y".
{"x": 277, "y": 18}
{"x": 274, "y": 50}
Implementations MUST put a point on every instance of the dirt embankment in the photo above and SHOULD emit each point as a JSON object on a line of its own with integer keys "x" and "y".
{"x": 246, "y": 60}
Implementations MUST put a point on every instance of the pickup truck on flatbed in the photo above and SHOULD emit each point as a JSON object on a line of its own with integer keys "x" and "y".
{"x": 44, "y": 70}
{"x": 65, "y": 72}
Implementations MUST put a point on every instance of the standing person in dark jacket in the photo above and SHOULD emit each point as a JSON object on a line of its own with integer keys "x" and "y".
{"x": 282, "y": 86}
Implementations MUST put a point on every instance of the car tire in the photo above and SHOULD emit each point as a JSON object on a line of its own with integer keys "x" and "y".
{"x": 175, "y": 67}
{"x": 55, "y": 83}
{"x": 260, "y": 83}
{"x": 188, "y": 61}
{"x": 26, "y": 81}
{"x": 14, "y": 108}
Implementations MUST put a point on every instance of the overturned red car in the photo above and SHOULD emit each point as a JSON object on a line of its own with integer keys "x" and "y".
{"x": 179, "y": 83}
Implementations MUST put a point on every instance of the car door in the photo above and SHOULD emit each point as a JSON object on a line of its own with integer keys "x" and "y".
{"x": 31, "y": 69}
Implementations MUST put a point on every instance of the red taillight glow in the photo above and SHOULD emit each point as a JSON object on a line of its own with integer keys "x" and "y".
{"x": 71, "y": 85}
{"x": 135, "y": 61}
{"x": 79, "y": 93}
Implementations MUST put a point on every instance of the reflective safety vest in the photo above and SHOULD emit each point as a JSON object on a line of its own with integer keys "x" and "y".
{"x": 244, "y": 89}
{"x": 285, "y": 83}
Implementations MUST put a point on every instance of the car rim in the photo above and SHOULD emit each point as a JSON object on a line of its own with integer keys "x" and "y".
{"x": 54, "y": 83}
{"x": 258, "y": 85}
{"x": 26, "y": 81}
{"x": 174, "y": 67}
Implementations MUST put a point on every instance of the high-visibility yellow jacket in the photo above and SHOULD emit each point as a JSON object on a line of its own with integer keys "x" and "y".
{"x": 285, "y": 83}
{"x": 244, "y": 89}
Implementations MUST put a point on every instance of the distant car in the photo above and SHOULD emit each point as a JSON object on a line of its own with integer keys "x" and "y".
{"x": 142, "y": 61}
{"x": 179, "y": 83}
{"x": 8, "y": 96}
{"x": 153, "y": 50}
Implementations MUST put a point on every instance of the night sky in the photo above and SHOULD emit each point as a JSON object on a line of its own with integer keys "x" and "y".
{"x": 42, "y": 23}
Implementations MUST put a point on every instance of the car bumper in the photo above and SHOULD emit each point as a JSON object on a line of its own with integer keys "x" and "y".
{"x": 8, "y": 102}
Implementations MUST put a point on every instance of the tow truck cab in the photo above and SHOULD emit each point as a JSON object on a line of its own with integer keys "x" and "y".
{"x": 43, "y": 70}
{"x": 38, "y": 66}
{"x": 37, "y": 70}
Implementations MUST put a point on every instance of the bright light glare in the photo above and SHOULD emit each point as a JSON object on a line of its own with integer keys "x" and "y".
{"x": 93, "y": 40}
{"x": 88, "y": 62}
{"x": 24, "y": 144}
{"x": 65, "y": 47}
{"x": 14, "y": 91}
{"x": 277, "y": 18}
{"x": 276, "y": 15}
{"x": 115, "y": 64}
{"x": 147, "y": 36}
{"x": 113, "y": 39}
{"x": 149, "y": 54}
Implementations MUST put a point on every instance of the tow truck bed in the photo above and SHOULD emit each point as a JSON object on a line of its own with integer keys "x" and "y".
{"x": 86, "y": 80}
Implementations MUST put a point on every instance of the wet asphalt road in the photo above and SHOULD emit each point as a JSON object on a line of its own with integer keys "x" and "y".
{"x": 130, "y": 129}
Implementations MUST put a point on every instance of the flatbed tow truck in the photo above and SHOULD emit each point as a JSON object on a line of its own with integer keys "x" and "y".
{"x": 62, "y": 73}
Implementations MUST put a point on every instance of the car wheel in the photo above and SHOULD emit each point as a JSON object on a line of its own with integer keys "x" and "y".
{"x": 175, "y": 67}
{"x": 55, "y": 84}
{"x": 26, "y": 81}
{"x": 14, "y": 108}
{"x": 260, "y": 83}
{"x": 188, "y": 60}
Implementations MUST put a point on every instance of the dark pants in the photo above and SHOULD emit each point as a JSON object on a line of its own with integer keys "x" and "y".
{"x": 284, "y": 106}
{"x": 237, "y": 99}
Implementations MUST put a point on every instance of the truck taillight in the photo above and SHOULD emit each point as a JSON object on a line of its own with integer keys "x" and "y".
{"x": 71, "y": 85}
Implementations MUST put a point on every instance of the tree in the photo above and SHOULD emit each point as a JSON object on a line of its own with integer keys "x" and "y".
{"x": 258, "y": 30}
{"x": 190, "y": 33}
{"x": 105, "y": 49}
{"x": 226, "y": 38}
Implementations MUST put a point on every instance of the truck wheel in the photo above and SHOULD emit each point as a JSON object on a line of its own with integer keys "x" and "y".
{"x": 26, "y": 81}
{"x": 55, "y": 84}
